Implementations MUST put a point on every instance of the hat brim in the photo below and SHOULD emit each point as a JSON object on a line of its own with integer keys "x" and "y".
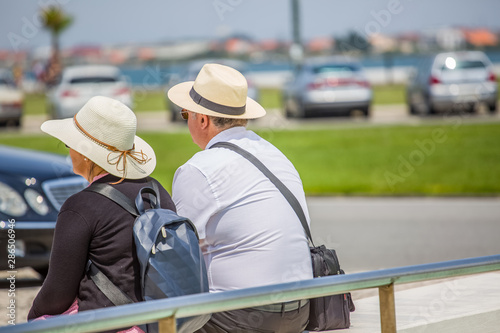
{"x": 66, "y": 131}
{"x": 179, "y": 95}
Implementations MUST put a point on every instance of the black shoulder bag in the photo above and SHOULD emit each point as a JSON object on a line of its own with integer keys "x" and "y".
{"x": 328, "y": 312}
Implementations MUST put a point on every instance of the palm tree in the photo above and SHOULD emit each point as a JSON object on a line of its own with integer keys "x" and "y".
{"x": 55, "y": 21}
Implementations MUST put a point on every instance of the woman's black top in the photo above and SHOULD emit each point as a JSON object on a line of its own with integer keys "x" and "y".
{"x": 90, "y": 226}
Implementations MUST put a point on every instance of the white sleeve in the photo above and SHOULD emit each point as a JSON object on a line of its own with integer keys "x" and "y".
{"x": 193, "y": 197}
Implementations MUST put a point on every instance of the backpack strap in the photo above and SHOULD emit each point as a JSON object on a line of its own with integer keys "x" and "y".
{"x": 292, "y": 200}
{"x": 114, "y": 195}
{"x": 135, "y": 208}
{"x": 153, "y": 198}
{"x": 108, "y": 288}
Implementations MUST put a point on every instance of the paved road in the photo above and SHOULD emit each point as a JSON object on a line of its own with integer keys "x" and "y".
{"x": 376, "y": 233}
{"x": 381, "y": 115}
{"x": 373, "y": 233}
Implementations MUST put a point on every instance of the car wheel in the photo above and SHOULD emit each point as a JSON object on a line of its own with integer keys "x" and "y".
{"x": 11, "y": 123}
{"x": 492, "y": 108}
{"x": 412, "y": 109}
{"x": 55, "y": 112}
{"x": 429, "y": 109}
{"x": 470, "y": 108}
{"x": 366, "y": 111}
{"x": 290, "y": 105}
{"x": 302, "y": 111}
{"x": 173, "y": 116}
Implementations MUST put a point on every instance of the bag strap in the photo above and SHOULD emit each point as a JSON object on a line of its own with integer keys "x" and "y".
{"x": 134, "y": 208}
{"x": 114, "y": 195}
{"x": 108, "y": 288}
{"x": 292, "y": 200}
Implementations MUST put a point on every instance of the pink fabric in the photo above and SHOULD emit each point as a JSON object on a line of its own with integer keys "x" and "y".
{"x": 99, "y": 177}
{"x": 73, "y": 309}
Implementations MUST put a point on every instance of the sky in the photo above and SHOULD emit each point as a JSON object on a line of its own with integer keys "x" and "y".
{"x": 111, "y": 22}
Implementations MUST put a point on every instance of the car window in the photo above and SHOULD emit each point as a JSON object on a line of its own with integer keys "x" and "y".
{"x": 335, "y": 70}
{"x": 6, "y": 81}
{"x": 454, "y": 64}
{"x": 93, "y": 79}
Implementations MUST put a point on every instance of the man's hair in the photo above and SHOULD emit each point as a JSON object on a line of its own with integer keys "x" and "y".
{"x": 224, "y": 123}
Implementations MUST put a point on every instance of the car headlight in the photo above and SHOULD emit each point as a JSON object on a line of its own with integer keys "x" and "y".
{"x": 36, "y": 201}
{"x": 11, "y": 203}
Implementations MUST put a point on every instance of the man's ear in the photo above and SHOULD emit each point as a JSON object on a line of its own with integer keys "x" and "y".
{"x": 204, "y": 120}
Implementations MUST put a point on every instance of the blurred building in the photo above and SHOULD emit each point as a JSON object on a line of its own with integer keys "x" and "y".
{"x": 480, "y": 37}
{"x": 383, "y": 43}
{"x": 320, "y": 45}
{"x": 450, "y": 39}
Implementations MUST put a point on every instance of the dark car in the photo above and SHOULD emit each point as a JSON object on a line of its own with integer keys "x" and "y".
{"x": 33, "y": 187}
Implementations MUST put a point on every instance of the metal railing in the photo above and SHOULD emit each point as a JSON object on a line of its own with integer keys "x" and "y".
{"x": 166, "y": 310}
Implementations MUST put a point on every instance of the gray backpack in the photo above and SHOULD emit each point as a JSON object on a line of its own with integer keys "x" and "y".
{"x": 168, "y": 251}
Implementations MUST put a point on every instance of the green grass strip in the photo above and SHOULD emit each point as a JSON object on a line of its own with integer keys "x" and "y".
{"x": 447, "y": 159}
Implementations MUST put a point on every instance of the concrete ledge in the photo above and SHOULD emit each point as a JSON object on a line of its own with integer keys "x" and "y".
{"x": 467, "y": 304}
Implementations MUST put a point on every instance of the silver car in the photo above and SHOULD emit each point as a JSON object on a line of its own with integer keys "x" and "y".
{"x": 79, "y": 83}
{"x": 451, "y": 81}
{"x": 11, "y": 100}
{"x": 321, "y": 87}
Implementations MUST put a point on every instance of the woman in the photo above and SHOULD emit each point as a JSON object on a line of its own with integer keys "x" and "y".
{"x": 104, "y": 149}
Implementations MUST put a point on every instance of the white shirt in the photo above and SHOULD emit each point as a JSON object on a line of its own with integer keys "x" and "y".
{"x": 250, "y": 235}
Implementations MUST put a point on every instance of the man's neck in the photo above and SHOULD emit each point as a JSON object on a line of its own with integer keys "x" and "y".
{"x": 219, "y": 130}
{"x": 211, "y": 132}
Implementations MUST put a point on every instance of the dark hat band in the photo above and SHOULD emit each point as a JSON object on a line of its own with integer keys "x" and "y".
{"x": 224, "y": 109}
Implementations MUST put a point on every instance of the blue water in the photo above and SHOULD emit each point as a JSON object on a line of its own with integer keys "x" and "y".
{"x": 155, "y": 75}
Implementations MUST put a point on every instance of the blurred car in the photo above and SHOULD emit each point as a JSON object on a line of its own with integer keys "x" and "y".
{"x": 452, "y": 80}
{"x": 79, "y": 83}
{"x": 33, "y": 187}
{"x": 322, "y": 86}
{"x": 11, "y": 100}
{"x": 191, "y": 70}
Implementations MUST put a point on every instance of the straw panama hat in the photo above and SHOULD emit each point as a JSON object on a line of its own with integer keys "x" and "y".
{"x": 219, "y": 91}
{"x": 104, "y": 131}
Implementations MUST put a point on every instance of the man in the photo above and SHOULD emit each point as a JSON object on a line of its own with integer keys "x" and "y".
{"x": 249, "y": 234}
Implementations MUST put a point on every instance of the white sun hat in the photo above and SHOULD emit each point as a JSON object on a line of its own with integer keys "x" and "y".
{"x": 219, "y": 91}
{"x": 104, "y": 132}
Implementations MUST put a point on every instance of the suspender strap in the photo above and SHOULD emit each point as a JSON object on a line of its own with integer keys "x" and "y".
{"x": 292, "y": 200}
